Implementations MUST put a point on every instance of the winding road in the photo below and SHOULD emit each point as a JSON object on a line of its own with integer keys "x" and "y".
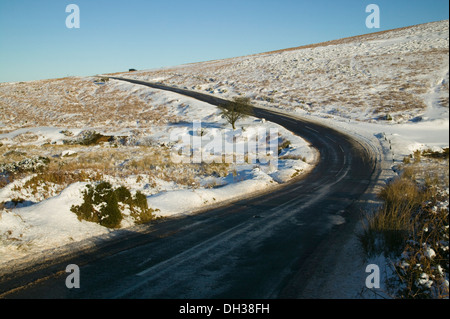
{"x": 262, "y": 247}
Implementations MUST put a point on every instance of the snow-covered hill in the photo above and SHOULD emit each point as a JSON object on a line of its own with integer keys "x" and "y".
{"x": 390, "y": 88}
{"x": 58, "y": 136}
{"x": 383, "y": 79}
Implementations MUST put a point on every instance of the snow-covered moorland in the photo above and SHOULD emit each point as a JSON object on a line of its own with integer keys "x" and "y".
{"x": 58, "y": 136}
{"x": 389, "y": 88}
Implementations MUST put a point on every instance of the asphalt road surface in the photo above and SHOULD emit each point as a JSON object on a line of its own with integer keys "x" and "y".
{"x": 262, "y": 247}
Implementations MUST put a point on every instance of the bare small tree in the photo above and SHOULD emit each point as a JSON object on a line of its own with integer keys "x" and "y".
{"x": 236, "y": 109}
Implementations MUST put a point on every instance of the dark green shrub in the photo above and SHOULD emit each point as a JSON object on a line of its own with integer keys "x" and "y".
{"x": 86, "y": 210}
{"x": 123, "y": 195}
{"x": 140, "y": 210}
{"x": 110, "y": 215}
{"x": 101, "y": 205}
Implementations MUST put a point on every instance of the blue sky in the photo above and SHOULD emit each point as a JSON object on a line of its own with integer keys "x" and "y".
{"x": 144, "y": 34}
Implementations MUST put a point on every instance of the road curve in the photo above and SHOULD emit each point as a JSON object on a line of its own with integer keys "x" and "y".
{"x": 261, "y": 247}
